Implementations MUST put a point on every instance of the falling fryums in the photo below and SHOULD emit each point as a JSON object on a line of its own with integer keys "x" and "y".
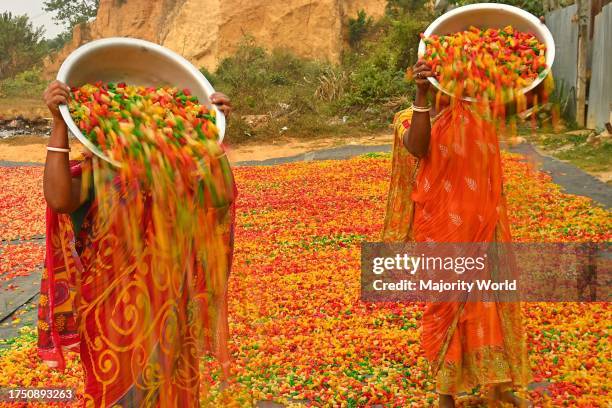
{"x": 486, "y": 63}
{"x": 171, "y": 165}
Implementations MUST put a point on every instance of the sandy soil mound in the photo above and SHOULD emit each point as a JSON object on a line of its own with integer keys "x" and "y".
{"x": 206, "y": 32}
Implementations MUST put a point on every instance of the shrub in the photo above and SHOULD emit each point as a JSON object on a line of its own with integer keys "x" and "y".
{"x": 358, "y": 27}
{"x": 277, "y": 84}
{"x": 27, "y": 84}
{"x": 376, "y": 73}
{"x": 209, "y": 75}
{"x": 399, "y": 8}
{"x": 373, "y": 81}
{"x": 331, "y": 86}
{"x": 535, "y": 7}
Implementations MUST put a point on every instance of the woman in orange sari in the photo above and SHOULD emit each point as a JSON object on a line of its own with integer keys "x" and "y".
{"x": 446, "y": 186}
{"x": 140, "y": 330}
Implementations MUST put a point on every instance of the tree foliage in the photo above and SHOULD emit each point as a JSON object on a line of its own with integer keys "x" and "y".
{"x": 72, "y": 12}
{"x": 56, "y": 43}
{"x": 21, "y": 44}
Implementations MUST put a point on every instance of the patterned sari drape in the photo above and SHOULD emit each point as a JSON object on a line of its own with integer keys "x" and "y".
{"x": 456, "y": 196}
{"x": 398, "y": 217}
{"x": 140, "y": 324}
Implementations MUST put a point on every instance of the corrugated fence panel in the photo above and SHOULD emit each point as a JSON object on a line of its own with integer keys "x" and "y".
{"x": 600, "y": 90}
{"x": 565, "y": 33}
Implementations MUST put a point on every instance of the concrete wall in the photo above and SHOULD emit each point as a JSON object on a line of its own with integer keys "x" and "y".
{"x": 565, "y": 33}
{"x": 600, "y": 90}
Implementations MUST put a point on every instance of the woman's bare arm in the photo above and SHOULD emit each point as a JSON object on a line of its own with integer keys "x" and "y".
{"x": 62, "y": 192}
{"x": 416, "y": 138}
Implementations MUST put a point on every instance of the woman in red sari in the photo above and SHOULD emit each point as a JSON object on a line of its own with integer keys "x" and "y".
{"x": 140, "y": 331}
{"x": 447, "y": 187}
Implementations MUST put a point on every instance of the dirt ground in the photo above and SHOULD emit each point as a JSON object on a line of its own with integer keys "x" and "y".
{"x": 26, "y": 107}
{"x": 32, "y": 148}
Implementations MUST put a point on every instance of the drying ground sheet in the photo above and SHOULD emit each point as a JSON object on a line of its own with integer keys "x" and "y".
{"x": 300, "y": 335}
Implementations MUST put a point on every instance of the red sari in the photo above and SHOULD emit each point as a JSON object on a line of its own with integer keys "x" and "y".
{"x": 141, "y": 325}
{"x": 455, "y": 195}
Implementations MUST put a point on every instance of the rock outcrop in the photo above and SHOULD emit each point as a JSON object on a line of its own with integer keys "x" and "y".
{"x": 206, "y": 31}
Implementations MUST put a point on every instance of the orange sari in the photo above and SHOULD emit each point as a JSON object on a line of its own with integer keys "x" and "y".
{"x": 455, "y": 195}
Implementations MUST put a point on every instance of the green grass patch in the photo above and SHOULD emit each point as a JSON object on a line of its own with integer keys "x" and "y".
{"x": 594, "y": 158}
{"x": 576, "y": 148}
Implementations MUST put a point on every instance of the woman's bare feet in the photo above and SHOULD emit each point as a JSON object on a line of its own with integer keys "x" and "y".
{"x": 511, "y": 398}
{"x": 446, "y": 401}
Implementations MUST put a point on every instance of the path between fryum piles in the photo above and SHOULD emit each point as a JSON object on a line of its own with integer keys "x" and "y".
{"x": 18, "y": 307}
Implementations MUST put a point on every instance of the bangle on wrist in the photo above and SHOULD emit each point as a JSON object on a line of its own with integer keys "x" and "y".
{"x": 421, "y": 108}
{"x": 58, "y": 149}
